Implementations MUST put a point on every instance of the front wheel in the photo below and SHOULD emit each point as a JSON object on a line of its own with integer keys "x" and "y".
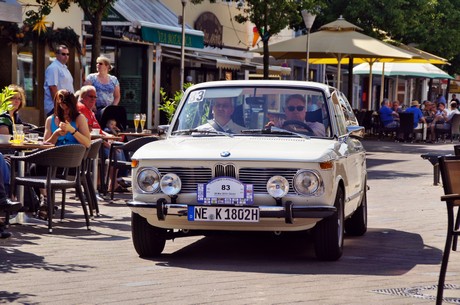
{"x": 329, "y": 232}
{"x": 148, "y": 240}
{"x": 356, "y": 225}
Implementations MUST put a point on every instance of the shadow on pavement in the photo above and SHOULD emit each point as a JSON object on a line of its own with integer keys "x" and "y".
{"x": 379, "y": 252}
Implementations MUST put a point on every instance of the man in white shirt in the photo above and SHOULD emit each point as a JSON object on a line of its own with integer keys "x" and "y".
{"x": 222, "y": 110}
{"x": 57, "y": 77}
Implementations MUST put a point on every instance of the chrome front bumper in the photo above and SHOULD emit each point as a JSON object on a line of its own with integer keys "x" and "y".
{"x": 288, "y": 211}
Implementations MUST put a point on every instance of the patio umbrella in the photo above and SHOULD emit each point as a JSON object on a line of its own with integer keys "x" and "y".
{"x": 337, "y": 40}
{"x": 425, "y": 70}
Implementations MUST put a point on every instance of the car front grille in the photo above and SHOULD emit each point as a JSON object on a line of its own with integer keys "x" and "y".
{"x": 258, "y": 177}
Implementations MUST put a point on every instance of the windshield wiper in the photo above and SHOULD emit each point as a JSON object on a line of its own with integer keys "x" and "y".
{"x": 274, "y": 130}
{"x": 200, "y": 131}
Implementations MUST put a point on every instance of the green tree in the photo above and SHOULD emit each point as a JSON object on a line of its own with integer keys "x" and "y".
{"x": 272, "y": 16}
{"x": 430, "y": 25}
{"x": 94, "y": 10}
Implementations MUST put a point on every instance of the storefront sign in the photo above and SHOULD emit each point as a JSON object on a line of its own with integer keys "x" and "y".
{"x": 172, "y": 38}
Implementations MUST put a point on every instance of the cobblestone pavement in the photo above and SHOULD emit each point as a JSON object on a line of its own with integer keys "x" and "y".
{"x": 396, "y": 262}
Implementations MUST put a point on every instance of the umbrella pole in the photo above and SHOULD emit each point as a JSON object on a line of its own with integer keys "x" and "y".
{"x": 339, "y": 58}
{"x": 382, "y": 83}
{"x": 369, "y": 103}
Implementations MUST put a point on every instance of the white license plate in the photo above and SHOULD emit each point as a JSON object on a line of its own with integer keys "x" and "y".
{"x": 224, "y": 214}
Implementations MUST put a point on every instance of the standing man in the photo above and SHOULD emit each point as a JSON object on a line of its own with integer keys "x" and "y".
{"x": 57, "y": 77}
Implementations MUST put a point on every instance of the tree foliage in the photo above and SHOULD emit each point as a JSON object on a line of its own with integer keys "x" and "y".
{"x": 430, "y": 25}
{"x": 272, "y": 16}
{"x": 94, "y": 10}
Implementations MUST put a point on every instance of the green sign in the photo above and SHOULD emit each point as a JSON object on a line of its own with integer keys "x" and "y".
{"x": 171, "y": 38}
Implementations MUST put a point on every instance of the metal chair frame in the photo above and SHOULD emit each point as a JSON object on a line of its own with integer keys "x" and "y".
{"x": 450, "y": 173}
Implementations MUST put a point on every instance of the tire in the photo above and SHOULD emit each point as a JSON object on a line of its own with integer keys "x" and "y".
{"x": 329, "y": 232}
{"x": 148, "y": 240}
{"x": 356, "y": 225}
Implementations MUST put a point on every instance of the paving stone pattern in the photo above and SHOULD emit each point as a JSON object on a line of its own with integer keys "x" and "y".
{"x": 396, "y": 262}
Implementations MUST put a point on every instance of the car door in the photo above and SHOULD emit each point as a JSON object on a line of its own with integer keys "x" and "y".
{"x": 353, "y": 158}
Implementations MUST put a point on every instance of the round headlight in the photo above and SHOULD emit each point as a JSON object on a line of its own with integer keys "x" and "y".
{"x": 306, "y": 182}
{"x": 277, "y": 186}
{"x": 170, "y": 184}
{"x": 148, "y": 180}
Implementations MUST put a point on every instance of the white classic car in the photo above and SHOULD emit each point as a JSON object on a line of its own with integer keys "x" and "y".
{"x": 259, "y": 155}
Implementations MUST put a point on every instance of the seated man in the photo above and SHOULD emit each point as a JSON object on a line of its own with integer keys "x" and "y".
{"x": 388, "y": 116}
{"x": 222, "y": 110}
{"x": 419, "y": 120}
{"x": 296, "y": 114}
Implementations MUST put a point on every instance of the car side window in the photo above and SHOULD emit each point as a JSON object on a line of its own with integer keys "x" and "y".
{"x": 339, "y": 114}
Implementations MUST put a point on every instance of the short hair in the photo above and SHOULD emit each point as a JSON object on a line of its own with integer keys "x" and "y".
{"x": 296, "y": 97}
{"x": 105, "y": 60}
{"x": 61, "y": 46}
{"x": 85, "y": 89}
{"x": 19, "y": 90}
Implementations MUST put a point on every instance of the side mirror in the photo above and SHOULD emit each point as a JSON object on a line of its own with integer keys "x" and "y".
{"x": 356, "y": 131}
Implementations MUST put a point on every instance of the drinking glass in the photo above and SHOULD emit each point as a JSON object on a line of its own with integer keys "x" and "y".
{"x": 142, "y": 121}
{"x": 18, "y": 134}
{"x": 137, "y": 118}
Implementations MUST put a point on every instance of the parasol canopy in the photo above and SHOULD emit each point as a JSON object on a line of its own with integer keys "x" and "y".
{"x": 425, "y": 70}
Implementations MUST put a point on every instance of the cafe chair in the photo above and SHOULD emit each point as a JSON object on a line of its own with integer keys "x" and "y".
{"x": 406, "y": 126}
{"x": 128, "y": 148}
{"x": 64, "y": 157}
{"x": 86, "y": 169}
{"x": 455, "y": 127}
{"x": 450, "y": 173}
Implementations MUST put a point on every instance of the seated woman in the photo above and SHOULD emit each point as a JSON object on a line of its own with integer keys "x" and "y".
{"x": 66, "y": 125}
{"x": 11, "y": 117}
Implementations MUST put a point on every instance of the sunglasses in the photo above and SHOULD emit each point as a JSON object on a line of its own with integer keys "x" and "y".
{"x": 293, "y": 108}
{"x": 100, "y": 63}
{"x": 92, "y": 96}
{"x": 64, "y": 54}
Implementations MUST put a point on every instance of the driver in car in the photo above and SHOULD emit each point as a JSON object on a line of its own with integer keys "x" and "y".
{"x": 222, "y": 110}
{"x": 296, "y": 115}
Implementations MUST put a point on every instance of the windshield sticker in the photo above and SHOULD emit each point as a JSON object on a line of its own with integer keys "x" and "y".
{"x": 196, "y": 96}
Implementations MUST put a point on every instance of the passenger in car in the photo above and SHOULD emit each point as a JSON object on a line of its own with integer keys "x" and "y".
{"x": 296, "y": 113}
{"x": 222, "y": 110}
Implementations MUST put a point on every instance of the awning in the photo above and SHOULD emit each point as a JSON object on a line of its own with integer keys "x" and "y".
{"x": 228, "y": 64}
{"x": 275, "y": 70}
{"x": 158, "y": 24}
{"x": 11, "y": 11}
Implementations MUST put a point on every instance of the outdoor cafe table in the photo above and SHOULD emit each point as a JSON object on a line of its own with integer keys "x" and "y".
{"x": 21, "y": 218}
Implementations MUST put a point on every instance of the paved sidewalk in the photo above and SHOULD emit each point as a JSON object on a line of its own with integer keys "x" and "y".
{"x": 396, "y": 262}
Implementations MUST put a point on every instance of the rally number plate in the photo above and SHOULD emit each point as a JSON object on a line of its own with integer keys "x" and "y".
{"x": 223, "y": 214}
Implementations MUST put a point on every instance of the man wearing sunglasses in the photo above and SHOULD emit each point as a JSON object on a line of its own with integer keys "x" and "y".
{"x": 297, "y": 117}
{"x": 57, "y": 77}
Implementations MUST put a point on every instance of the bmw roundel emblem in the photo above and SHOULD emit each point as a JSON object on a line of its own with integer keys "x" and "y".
{"x": 225, "y": 154}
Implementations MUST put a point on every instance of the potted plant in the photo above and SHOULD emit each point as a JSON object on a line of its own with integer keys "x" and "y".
{"x": 5, "y": 96}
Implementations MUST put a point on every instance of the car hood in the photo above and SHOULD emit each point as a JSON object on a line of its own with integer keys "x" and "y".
{"x": 239, "y": 148}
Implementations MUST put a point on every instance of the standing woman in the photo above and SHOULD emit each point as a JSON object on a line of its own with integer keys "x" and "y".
{"x": 17, "y": 102}
{"x": 107, "y": 86}
{"x": 66, "y": 125}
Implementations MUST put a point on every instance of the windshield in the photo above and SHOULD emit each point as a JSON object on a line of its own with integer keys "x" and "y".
{"x": 251, "y": 109}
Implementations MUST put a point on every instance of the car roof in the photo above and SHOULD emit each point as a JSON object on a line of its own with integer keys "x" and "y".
{"x": 266, "y": 83}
